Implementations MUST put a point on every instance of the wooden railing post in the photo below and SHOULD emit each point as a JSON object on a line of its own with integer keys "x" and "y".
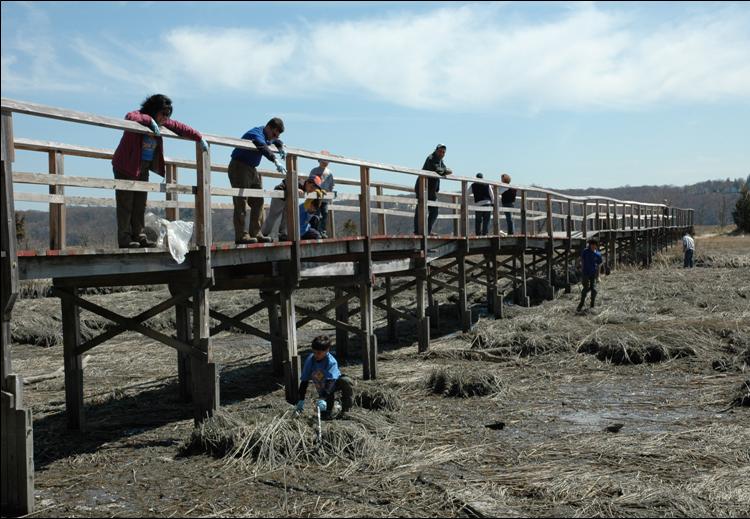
{"x": 523, "y": 212}
{"x": 292, "y": 219}
{"x": 203, "y": 234}
{"x": 56, "y": 210}
{"x": 550, "y": 248}
{"x": 585, "y": 225}
{"x": 464, "y": 210}
{"x": 172, "y": 213}
{"x": 382, "y": 229}
{"x": 456, "y": 216}
{"x": 495, "y": 210}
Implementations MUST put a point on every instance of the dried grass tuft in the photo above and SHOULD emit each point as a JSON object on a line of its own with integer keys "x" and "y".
{"x": 463, "y": 383}
{"x": 378, "y": 399}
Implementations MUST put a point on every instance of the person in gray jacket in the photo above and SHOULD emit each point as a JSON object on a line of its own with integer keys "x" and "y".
{"x": 434, "y": 162}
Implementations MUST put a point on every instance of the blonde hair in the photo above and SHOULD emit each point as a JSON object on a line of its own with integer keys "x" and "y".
{"x": 505, "y": 178}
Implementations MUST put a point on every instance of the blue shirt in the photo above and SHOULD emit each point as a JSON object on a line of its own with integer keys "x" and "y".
{"x": 252, "y": 157}
{"x": 304, "y": 219}
{"x": 322, "y": 373}
{"x": 149, "y": 146}
{"x": 590, "y": 261}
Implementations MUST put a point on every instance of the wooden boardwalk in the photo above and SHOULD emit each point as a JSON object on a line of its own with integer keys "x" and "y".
{"x": 552, "y": 229}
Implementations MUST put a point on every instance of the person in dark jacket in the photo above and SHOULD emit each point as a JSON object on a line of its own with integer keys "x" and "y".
{"x": 591, "y": 258}
{"x": 508, "y": 199}
{"x": 276, "y": 217}
{"x": 482, "y": 197}
{"x": 135, "y": 156}
{"x": 243, "y": 172}
{"x": 434, "y": 162}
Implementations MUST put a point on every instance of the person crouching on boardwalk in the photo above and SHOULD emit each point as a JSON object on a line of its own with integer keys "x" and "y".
{"x": 135, "y": 156}
{"x": 322, "y": 369}
{"x": 591, "y": 258}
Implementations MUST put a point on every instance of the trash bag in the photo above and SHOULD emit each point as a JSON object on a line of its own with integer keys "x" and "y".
{"x": 173, "y": 235}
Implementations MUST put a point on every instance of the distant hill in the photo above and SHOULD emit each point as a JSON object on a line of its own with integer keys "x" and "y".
{"x": 713, "y": 201}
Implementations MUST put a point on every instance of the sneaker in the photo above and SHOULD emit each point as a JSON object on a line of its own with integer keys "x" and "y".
{"x": 146, "y": 243}
{"x": 263, "y": 239}
{"x": 324, "y": 235}
{"x": 246, "y": 239}
{"x": 134, "y": 245}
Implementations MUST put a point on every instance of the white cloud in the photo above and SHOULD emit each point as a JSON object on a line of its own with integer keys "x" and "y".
{"x": 474, "y": 57}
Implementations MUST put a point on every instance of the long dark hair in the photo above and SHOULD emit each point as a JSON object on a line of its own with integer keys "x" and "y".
{"x": 155, "y": 104}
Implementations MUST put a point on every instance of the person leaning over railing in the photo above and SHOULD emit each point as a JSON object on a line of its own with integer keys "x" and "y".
{"x": 482, "y": 197}
{"x": 327, "y": 184}
{"x": 434, "y": 162}
{"x": 508, "y": 199}
{"x": 135, "y": 156}
{"x": 243, "y": 172}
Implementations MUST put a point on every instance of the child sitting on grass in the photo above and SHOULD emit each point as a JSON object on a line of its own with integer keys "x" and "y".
{"x": 321, "y": 367}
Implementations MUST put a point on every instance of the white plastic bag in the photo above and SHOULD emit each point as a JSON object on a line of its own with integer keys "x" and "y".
{"x": 177, "y": 235}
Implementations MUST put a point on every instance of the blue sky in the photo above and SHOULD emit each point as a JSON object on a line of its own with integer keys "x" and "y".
{"x": 561, "y": 95}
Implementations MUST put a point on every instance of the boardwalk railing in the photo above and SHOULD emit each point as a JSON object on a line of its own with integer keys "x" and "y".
{"x": 539, "y": 211}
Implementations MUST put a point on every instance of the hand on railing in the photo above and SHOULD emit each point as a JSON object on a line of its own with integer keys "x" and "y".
{"x": 279, "y": 166}
{"x": 204, "y": 144}
{"x": 155, "y": 128}
{"x": 282, "y": 152}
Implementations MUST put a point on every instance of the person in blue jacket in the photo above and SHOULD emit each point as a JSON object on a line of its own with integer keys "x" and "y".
{"x": 243, "y": 172}
{"x": 591, "y": 258}
{"x": 322, "y": 369}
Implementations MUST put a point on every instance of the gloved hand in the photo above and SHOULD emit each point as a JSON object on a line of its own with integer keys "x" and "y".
{"x": 300, "y": 406}
{"x": 279, "y": 166}
{"x": 155, "y": 128}
{"x": 322, "y": 405}
{"x": 282, "y": 152}
{"x": 204, "y": 144}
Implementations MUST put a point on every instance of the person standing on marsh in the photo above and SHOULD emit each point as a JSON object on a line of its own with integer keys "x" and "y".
{"x": 591, "y": 258}
{"x": 688, "y": 247}
{"x": 243, "y": 172}
{"x": 135, "y": 156}
{"x": 327, "y": 184}
{"x": 434, "y": 162}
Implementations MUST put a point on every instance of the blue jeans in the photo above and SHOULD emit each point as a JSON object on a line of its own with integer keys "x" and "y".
{"x": 688, "y": 261}
{"x": 509, "y": 219}
{"x": 323, "y": 213}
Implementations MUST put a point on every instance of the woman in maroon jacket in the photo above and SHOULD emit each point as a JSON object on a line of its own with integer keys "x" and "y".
{"x": 136, "y": 155}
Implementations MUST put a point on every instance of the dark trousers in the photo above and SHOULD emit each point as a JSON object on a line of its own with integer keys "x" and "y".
{"x": 344, "y": 386}
{"x": 509, "y": 219}
{"x": 432, "y": 214}
{"x": 589, "y": 285}
{"x": 688, "y": 261}
{"x": 323, "y": 221}
{"x": 311, "y": 234}
{"x": 482, "y": 222}
{"x": 131, "y": 210}
{"x": 242, "y": 175}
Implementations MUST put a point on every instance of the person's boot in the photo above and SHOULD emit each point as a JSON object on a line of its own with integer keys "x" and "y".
{"x": 246, "y": 239}
{"x": 593, "y": 298}
{"x": 580, "y": 307}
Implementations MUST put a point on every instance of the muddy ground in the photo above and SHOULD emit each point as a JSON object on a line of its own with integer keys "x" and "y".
{"x": 570, "y": 428}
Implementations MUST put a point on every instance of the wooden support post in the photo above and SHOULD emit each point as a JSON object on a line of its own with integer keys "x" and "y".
{"x": 465, "y": 232}
{"x": 392, "y": 318}
{"x": 585, "y": 225}
{"x": 550, "y": 249}
{"x": 568, "y": 245}
{"x": 71, "y": 321}
{"x": 274, "y": 329}
{"x": 422, "y": 318}
{"x": 522, "y": 256}
{"x": 204, "y": 372}
{"x": 184, "y": 335}
{"x": 495, "y": 211}
{"x": 433, "y": 308}
{"x": 331, "y": 222}
{"x": 464, "y": 311}
{"x": 368, "y": 340}
{"x": 289, "y": 335}
{"x": 292, "y": 219}
{"x": 342, "y": 336}
{"x": 56, "y": 211}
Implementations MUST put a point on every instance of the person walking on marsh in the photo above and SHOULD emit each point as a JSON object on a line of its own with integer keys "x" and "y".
{"x": 243, "y": 172}
{"x": 688, "y": 247}
{"x": 434, "y": 162}
{"x": 591, "y": 258}
{"x": 135, "y": 156}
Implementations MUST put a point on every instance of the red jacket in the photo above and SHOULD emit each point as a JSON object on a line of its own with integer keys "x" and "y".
{"x": 127, "y": 158}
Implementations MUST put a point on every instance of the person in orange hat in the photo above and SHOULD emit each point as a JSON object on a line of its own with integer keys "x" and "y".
{"x": 327, "y": 183}
{"x": 276, "y": 218}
